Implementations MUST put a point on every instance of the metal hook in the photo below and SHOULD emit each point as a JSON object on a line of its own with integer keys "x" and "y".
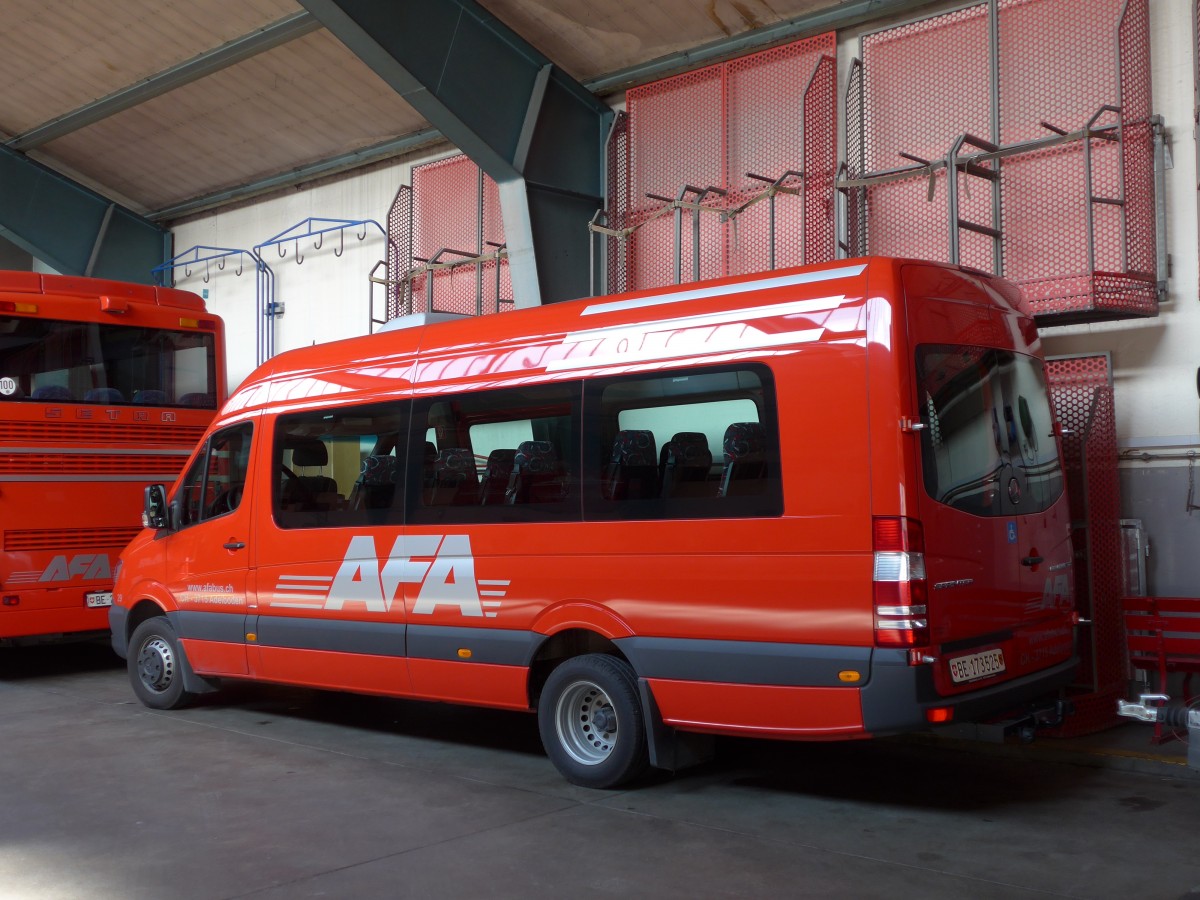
{"x": 221, "y": 264}
{"x": 363, "y": 236}
{"x": 239, "y": 268}
{"x": 207, "y": 272}
{"x": 342, "y": 242}
{"x": 282, "y": 250}
{"x": 187, "y": 273}
{"x": 320, "y": 241}
{"x": 299, "y": 258}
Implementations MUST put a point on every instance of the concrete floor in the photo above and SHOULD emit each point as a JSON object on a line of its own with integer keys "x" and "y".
{"x": 279, "y": 793}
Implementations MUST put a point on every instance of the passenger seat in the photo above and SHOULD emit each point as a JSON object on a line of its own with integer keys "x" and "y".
{"x": 684, "y": 466}
{"x": 745, "y": 459}
{"x": 632, "y": 472}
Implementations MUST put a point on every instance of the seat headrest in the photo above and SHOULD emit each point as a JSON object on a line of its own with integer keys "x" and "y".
{"x": 689, "y": 448}
{"x": 744, "y": 440}
{"x": 378, "y": 470}
{"x": 537, "y": 457}
{"x": 52, "y": 392}
{"x": 635, "y": 448}
{"x": 310, "y": 453}
{"x": 458, "y": 461}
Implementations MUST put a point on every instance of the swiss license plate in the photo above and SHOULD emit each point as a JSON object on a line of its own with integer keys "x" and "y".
{"x": 98, "y": 598}
{"x": 976, "y": 665}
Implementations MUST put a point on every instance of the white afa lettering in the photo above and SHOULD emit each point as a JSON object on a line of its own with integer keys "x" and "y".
{"x": 443, "y": 566}
{"x": 357, "y": 580}
{"x": 451, "y": 579}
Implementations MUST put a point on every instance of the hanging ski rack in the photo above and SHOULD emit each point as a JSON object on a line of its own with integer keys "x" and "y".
{"x": 1101, "y": 171}
{"x": 774, "y": 186}
{"x": 696, "y": 205}
{"x": 976, "y": 164}
{"x": 425, "y": 270}
{"x": 264, "y": 285}
{"x": 306, "y": 230}
{"x": 318, "y": 228}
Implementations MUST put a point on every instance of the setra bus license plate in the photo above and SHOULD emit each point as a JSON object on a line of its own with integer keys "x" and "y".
{"x": 976, "y": 665}
{"x": 98, "y": 598}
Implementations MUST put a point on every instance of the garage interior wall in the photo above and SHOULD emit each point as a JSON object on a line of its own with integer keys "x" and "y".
{"x": 1154, "y": 360}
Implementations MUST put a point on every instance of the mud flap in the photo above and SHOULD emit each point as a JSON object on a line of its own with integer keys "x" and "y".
{"x": 671, "y": 749}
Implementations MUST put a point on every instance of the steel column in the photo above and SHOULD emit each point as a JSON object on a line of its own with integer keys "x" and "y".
{"x": 535, "y": 131}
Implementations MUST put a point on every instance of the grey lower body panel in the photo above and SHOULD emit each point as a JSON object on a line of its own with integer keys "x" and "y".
{"x": 897, "y": 695}
{"x": 117, "y": 617}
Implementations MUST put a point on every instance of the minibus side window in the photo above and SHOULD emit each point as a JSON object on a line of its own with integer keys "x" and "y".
{"x": 507, "y": 455}
{"x": 338, "y": 467}
{"x": 700, "y": 443}
{"x": 217, "y": 479}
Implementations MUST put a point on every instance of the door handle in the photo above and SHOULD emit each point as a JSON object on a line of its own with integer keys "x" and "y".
{"x": 1025, "y": 561}
{"x": 234, "y": 545}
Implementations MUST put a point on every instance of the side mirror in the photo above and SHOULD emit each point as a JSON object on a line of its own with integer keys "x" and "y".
{"x": 154, "y": 507}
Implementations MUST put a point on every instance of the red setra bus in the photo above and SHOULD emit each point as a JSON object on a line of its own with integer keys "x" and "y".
{"x": 105, "y": 387}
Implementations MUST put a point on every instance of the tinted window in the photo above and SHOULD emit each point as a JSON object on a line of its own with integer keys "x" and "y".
{"x": 988, "y": 445}
{"x": 687, "y": 444}
{"x": 216, "y": 481}
{"x": 496, "y": 456}
{"x": 337, "y": 467}
{"x": 86, "y": 362}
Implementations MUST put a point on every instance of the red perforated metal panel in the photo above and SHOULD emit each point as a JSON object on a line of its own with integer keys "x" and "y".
{"x": 399, "y": 253}
{"x": 718, "y": 128}
{"x": 924, "y": 84}
{"x": 1083, "y": 397}
{"x": 820, "y": 164}
{"x": 1060, "y": 64}
{"x": 1077, "y": 219}
{"x": 618, "y": 266}
{"x": 440, "y": 235}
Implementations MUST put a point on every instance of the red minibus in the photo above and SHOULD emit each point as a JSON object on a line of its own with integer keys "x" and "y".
{"x": 105, "y": 387}
{"x": 822, "y": 503}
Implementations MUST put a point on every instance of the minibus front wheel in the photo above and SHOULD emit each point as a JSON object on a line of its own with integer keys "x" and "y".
{"x": 156, "y": 665}
{"x": 591, "y": 724}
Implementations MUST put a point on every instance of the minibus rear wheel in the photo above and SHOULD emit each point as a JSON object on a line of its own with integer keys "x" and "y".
{"x": 591, "y": 722}
{"x": 156, "y": 665}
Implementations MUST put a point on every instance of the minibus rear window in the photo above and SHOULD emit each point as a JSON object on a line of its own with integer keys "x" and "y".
{"x": 988, "y": 444}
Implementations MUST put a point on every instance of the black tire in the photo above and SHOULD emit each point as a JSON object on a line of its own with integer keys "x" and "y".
{"x": 155, "y": 662}
{"x": 590, "y": 720}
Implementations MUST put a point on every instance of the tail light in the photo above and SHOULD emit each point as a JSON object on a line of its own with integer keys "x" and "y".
{"x": 900, "y": 588}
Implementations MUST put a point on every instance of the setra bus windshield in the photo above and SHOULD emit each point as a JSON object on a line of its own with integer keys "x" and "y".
{"x": 48, "y": 360}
